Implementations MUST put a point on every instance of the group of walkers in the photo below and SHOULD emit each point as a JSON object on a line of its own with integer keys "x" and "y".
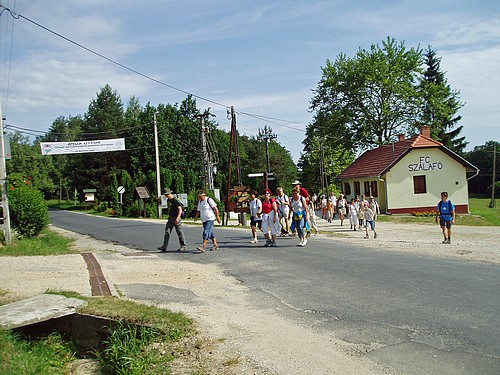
{"x": 290, "y": 216}
{"x": 360, "y": 212}
{"x": 281, "y": 215}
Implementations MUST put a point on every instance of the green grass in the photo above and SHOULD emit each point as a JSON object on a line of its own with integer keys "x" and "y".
{"x": 46, "y": 243}
{"x": 480, "y": 207}
{"x": 49, "y": 355}
{"x": 480, "y": 215}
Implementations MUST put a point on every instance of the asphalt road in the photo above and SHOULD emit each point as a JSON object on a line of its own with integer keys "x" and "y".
{"x": 420, "y": 315}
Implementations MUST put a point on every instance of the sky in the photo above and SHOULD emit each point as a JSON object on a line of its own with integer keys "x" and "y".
{"x": 264, "y": 58}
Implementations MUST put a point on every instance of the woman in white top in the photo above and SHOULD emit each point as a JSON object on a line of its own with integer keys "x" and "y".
{"x": 300, "y": 215}
{"x": 208, "y": 211}
{"x": 255, "y": 215}
{"x": 342, "y": 208}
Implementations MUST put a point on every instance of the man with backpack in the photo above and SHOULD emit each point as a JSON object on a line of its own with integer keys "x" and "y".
{"x": 175, "y": 215}
{"x": 446, "y": 212}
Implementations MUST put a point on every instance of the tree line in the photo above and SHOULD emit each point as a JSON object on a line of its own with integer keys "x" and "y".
{"x": 179, "y": 145}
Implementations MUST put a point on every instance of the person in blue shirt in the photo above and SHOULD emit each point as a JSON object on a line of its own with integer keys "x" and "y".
{"x": 445, "y": 210}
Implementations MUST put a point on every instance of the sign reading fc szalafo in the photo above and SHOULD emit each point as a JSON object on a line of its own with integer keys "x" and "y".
{"x": 80, "y": 147}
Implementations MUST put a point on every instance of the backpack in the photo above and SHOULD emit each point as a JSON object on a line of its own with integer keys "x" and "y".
{"x": 449, "y": 206}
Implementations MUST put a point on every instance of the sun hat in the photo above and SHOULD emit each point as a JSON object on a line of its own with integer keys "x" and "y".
{"x": 296, "y": 182}
{"x": 167, "y": 191}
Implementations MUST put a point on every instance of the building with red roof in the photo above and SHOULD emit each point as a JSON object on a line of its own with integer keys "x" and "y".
{"x": 409, "y": 175}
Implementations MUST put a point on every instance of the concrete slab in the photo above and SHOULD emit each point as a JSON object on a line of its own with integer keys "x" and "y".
{"x": 37, "y": 309}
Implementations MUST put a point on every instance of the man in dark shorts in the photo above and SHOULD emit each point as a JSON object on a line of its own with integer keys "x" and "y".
{"x": 446, "y": 212}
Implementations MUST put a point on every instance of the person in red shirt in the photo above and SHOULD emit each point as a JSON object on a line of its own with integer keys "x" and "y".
{"x": 270, "y": 220}
{"x": 303, "y": 191}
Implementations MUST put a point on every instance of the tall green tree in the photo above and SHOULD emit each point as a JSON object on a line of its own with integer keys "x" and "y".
{"x": 360, "y": 103}
{"x": 440, "y": 104}
{"x": 370, "y": 99}
{"x": 103, "y": 120}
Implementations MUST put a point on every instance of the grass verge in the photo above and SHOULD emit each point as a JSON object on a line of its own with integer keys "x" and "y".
{"x": 49, "y": 355}
{"x": 46, "y": 243}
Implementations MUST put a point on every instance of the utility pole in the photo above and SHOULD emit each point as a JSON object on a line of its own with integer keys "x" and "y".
{"x": 324, "y": 176}
{"x": 157, "y": 155}
{"x": 493, "y": 203}
{"x": 206, "y": 157}
{"x": 233, "y": 148}
{"x": 3, "y": 183}
{"x": 266, "y": 137}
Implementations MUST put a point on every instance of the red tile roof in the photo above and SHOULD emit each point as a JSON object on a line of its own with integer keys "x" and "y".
{"x": 376, "y": 162}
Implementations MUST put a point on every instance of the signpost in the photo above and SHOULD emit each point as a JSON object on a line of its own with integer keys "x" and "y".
{"x": 121, "y": 190}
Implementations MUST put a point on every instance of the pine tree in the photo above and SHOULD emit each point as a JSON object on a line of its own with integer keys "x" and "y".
{"x": 440, "y": 105}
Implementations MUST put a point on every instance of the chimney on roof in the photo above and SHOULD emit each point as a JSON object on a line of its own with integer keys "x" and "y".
{"x": 425, "y": 131}
{"x": 401, "y": 137}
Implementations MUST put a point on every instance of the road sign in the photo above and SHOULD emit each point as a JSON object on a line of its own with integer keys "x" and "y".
{"x": 255, "y": 175}
{"x": 121, "y": 190}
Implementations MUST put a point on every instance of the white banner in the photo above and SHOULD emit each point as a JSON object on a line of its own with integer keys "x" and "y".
{"x": 80, "y": 147}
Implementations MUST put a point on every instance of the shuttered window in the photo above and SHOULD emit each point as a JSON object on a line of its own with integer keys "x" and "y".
{"x": 419, "y": 186}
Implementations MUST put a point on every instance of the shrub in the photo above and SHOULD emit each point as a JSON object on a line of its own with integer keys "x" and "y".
{"x": 28, "y": 211}
{"x": 134, "y": 210}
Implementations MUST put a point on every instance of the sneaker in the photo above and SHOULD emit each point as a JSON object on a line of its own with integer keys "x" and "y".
{"x": 375, "y": 235}
{"x": 161, "y": 248}
{"x": 268, "y": 243}
{"x": 254, "y": 240}
{"x": 300, "y": 242}
{"x": 182, "y": 248}
{"x": 304, "y": 242}
{"x": 366, "y": 237}
{"x": 354, "y": 228}
{"x": 448, "y": 241}
{"x": 445, "y": 240}
{"x": 273, "y": 244}
{"x": 214, "y": 247}
{"x": 201, "y": 248}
